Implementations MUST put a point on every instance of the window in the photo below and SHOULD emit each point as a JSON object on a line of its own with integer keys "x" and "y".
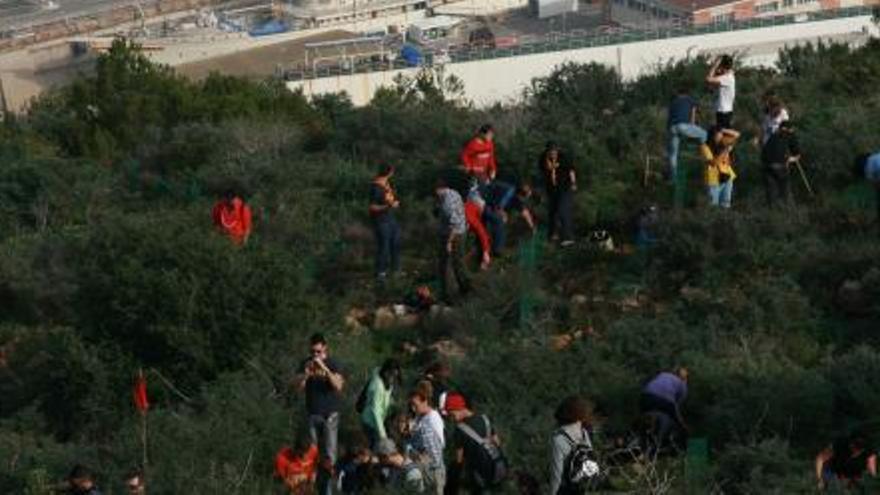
{"x": 721, "y": 18}
{"x": 787, "y": 3}
{"x": 767, "y": 7}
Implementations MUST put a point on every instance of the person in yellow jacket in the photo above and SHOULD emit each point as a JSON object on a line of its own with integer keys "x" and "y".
{"x": 719, "y": 174}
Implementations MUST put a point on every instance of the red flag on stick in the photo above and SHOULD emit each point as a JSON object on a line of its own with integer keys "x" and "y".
{"x": 139, "y": 393}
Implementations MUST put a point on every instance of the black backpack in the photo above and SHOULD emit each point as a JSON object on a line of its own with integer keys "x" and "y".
{"x": 491, "y": 467}
{"x": 361, "y": 402}
{"x": 581, "y": 468}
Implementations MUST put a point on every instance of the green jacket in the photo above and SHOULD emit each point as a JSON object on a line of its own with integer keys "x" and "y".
{"x": 378, "y": 404}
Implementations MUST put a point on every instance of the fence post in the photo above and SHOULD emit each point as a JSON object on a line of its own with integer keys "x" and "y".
{"x": 528, "y": 256}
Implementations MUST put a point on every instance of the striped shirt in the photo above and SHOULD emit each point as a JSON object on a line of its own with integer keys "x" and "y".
{"x": 427, "y": 441}
{"x": 452, "y": 213}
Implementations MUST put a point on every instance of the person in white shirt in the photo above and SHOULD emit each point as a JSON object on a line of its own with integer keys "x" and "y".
{"x": 427, "y": 441}
{"x": 775, "y": 114}
{"x": 722, "y": 76}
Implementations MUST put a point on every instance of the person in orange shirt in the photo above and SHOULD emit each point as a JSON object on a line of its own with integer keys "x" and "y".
{"x": 232, "y": 216}
{"x": 297, "y": 467}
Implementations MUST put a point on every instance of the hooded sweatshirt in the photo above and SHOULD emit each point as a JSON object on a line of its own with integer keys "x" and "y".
{"x": 478, "y": 158}
{"x": 233, "y": 219}
{"x": 378, "y": 404}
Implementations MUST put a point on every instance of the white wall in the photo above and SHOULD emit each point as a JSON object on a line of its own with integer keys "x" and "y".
{"x": 504, "y": 79}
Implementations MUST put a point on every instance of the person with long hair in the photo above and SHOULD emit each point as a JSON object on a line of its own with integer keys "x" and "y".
{"x": 775, "y": 114}
{"x": 379, "y": 399}
{"x": 719, "y": 174}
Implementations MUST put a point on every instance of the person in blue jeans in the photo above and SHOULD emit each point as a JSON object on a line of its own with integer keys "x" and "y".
{"x": 498, "y": 196}
{"x": 321, "y": 378}
{"x": 383, "y": 202}
{"x": 681, "y": 123}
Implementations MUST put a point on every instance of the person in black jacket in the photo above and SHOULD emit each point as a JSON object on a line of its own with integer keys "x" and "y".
{"x": 781, "y": 151}
{"x": 560, "y": 182}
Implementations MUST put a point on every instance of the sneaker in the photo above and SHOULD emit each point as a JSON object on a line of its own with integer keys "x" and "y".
{"x": 567, "y": 243}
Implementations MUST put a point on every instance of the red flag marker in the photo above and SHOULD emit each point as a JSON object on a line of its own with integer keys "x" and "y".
{"x": 139, "y": 394}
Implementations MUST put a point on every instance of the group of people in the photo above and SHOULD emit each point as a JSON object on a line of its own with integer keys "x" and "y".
{"x": 482, "y": 208}
{"x": 780, "y": 150}
{"x": 407, "y": 446}
{"x": 778, "y": 141}
{"x": 82, "y": 481}
{"x": 411, "y": 448}
{"x": 405, "y": 451}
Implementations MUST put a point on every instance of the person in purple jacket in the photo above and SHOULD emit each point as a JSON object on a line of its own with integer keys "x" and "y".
{"x": 662, "y": 399}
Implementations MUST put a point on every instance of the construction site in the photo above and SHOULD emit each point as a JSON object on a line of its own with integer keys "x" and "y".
{"x": 48, "y": 42}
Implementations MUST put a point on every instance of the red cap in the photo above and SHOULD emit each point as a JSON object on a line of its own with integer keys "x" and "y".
{"x": 455, "y": 402}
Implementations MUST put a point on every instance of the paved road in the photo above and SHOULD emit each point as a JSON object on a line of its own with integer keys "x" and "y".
{"x": 21, "y": 14}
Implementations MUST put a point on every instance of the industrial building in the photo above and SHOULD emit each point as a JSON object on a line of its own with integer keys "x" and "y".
{"x": 717, "y": 11}
{"x": 316, "y": 13}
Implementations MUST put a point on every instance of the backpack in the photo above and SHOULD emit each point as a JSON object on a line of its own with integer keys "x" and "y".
{"x": 491, "y": 467}
{"x": 581, "y": 467}
{"x": 361, "y": 402}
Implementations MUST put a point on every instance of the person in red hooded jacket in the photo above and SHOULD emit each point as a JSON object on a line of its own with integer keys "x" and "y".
{"x": 297, "y": 467}
{"x": 478, "y": 155}
{"x": 232, "y": 216}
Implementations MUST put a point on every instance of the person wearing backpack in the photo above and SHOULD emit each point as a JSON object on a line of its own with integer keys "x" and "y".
{"x": 479, "y": 463}
{"x": 375, "y": 400}
{"x": 573, "y": 465}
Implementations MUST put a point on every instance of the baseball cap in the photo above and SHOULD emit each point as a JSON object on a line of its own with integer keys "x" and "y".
{"x": 454, "y": 402}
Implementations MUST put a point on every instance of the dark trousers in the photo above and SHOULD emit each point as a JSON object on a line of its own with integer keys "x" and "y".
{"x": 561, "y": 204}
{"x": 460, "y": 479}
{"x": 666, "y": 427}
{"x": 724, "y": 120}
{"x": 387, "y": 233}
{"x": 777, "y": 182}
{"x": 453, "y": 259}
{"x": 495, "y": 225}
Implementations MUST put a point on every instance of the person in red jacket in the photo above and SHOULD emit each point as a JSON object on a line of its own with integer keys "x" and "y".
{"x": 232, "y": 216}
{"x": 297, "y": 467}
{"x": 473, "y": 214}
{"x": 478, "y": 155}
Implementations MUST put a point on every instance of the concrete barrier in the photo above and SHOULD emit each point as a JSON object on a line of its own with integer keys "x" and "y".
{"x": 505, "y": 79}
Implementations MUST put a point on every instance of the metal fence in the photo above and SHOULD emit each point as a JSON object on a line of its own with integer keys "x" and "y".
{"x": 561, "y": 41}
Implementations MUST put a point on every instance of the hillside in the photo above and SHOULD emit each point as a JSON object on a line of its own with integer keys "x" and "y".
{"x": 110, "y": 264}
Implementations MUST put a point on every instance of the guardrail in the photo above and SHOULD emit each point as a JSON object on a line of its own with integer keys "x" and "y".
{"x": 555, "y": 42}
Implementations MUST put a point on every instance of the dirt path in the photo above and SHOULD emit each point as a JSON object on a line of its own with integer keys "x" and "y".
{"x": 258, "y": 62}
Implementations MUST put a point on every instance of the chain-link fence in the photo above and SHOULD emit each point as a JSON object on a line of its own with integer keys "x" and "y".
{"x": 559, "y": 41}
